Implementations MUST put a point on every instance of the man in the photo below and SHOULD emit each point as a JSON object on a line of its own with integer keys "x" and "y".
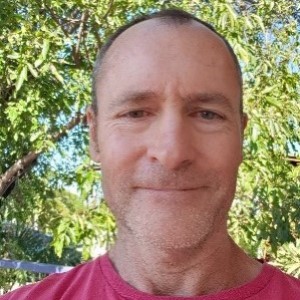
{"x": 167, "y": 127}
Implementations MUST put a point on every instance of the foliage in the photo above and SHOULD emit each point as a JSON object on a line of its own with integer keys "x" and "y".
{"x": 289, "y": 258}
{"x": 47, "y": 50}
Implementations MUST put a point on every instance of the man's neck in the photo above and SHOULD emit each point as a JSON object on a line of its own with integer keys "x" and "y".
{"x": 207, "y": 269}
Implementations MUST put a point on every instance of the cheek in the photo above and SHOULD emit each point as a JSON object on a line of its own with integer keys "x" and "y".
{"x": 114, "y": 146}
{"x": 223, "y": 147}
{"x": 119, "y": 154}
{"x": 222, "y": 155}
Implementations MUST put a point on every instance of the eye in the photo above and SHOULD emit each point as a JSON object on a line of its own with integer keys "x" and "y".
{"x": 209, "y": 115}
{"x": 135, "y": 114}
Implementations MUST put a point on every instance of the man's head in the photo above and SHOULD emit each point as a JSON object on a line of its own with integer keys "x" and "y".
{"x": 168, "y": 132}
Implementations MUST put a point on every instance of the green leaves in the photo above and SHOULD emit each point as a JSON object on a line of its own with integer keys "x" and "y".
{"x": 32, "y": 70}
{"x": 56, "y": 74}
{"x": 288, "y": 258}
{"x": 45, "y": 50}
{"x": 21, "y": 78}
{"x": 259, "y": 21}
{"x": 45, "y": 69}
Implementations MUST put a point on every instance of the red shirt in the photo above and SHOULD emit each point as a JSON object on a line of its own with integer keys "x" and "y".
{"x": 98, "y": 279}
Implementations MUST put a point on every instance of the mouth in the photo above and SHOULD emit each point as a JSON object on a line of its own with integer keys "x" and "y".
{"x": 168, "y": 190}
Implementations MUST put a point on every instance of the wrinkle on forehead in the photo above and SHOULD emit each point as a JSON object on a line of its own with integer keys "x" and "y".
{"x": 144, "y": 97}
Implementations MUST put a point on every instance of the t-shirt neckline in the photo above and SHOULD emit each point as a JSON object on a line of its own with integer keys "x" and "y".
{"x": 244, "y": 291}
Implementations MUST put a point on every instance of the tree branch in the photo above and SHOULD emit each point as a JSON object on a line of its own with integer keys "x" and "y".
{"x": 10, "y": 176}
{"x": 97, "y": 37}
{"x": 55, "y": 18}
{"x": 23, "y": 164}
{"x": 95, "y": 29}
{"x": 76, "y": 53}
{"x": 111, "y": 3}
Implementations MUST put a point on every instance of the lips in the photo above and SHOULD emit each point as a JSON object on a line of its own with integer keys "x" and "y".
{"x": 170, "y": 190}
{"x": 167, "y": 189}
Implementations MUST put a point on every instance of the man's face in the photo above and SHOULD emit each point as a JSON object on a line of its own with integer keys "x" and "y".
{"x": 168, "y": 133}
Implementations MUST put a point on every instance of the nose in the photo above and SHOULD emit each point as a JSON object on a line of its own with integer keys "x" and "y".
{"x": 172, "y": 143}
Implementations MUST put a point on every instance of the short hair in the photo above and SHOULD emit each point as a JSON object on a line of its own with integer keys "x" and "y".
{"x": 167, "y": 16}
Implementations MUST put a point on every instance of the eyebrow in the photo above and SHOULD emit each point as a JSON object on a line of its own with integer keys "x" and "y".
{"x": 133, "y": 97}
{"x": 209, "y": 98}
{"x": 140, "y": 97}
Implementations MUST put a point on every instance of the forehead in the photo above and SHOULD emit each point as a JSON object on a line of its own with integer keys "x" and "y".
{"x": 159, "y": 34}
{"x": 153, "y": 54}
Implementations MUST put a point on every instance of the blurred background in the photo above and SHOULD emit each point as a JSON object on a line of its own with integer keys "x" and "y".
{"x": 51, "y": 205}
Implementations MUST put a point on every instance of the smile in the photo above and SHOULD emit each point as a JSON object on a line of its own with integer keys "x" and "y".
{"x": 167, "y": 190}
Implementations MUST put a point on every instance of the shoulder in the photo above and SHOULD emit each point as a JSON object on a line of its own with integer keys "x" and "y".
{"x": 60, "y": 286}
{"x": 287, "y": 279}
{"x": 283, "y": 285}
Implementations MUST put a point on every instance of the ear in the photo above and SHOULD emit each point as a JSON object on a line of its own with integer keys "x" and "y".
{"x": 94, "y": 147}
{"x": 244, "y": 122}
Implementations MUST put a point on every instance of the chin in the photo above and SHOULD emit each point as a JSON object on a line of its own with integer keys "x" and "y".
{"x": 171, "y": 233}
